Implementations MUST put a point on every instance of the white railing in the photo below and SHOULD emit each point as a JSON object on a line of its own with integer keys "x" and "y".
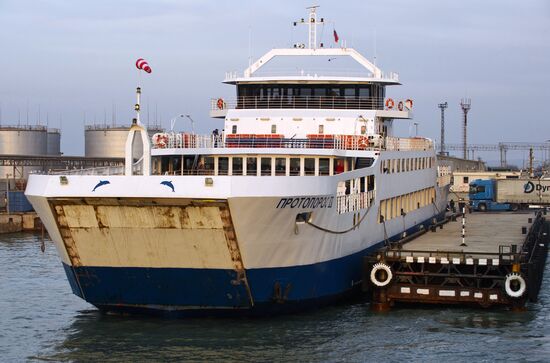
{"x": 354, "y": 202}
{"x": 443, "y": 175}
{"x": 298, "y": 102}
{"x": 443, "y": 170}
{"x": 407, "y": 143}
{"x": 322, "y": 141}
{"x": 102, "y": 170}
{"x": 293, "y": 72}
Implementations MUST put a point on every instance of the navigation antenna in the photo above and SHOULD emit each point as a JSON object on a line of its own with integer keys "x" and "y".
{"x": 442, "y": 106}
{"x": 312, "y": 27}
{"x": 465, "y": 104}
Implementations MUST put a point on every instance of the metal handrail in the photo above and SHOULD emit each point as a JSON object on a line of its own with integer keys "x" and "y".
{"x": 302, "y": 102}
{"x": 327, "y": 72}
{"x": 335, "y": 142}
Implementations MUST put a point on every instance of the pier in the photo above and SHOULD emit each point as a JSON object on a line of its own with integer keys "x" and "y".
{"x": 500, "y": 263}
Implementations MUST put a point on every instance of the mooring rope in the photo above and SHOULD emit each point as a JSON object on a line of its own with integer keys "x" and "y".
{"x": 345, "y": 231}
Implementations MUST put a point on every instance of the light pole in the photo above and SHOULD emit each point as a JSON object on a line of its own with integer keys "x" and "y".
{"x": 7, "y": 191}
{"x": 192, "y": 124}
{"x": 173, "y": 122}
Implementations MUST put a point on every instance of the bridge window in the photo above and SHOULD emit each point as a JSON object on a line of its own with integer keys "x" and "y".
{"x": 310, "y": 96}
{"x": 364, "y": 92}
{"x": 319, "y": 91}
{"x": 349, "y": 92}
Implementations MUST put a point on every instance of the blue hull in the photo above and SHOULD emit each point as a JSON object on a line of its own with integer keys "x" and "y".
{"x": 185, "y": 291}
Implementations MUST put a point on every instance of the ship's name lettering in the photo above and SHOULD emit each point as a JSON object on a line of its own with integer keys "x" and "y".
{"x": 306, "y": 202}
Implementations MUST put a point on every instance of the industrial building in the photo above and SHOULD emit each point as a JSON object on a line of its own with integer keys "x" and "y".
{"x": 103, "y": 141}
{"x": 27, "y": 140}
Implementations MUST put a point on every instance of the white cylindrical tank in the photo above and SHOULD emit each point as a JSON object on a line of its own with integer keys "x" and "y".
{"x": 54, "y": 142}
{"x": 102, "y": 141}
{"x": 23, "y": 141}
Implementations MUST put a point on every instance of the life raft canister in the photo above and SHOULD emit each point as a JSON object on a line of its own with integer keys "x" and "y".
{"x": 220, "y": 103}
{"x": 385, "y": 279}
{"x": 390, "y": 103}
{"x": 512, "y": 291}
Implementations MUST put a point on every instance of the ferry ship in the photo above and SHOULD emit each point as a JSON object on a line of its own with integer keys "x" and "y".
{"x": 272, "y": 214}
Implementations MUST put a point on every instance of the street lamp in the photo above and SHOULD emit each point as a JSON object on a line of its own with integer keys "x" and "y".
{"x": 192, "y": 124}
{"x": 173, "y": 122}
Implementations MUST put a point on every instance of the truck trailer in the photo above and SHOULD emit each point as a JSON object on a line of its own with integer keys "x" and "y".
{"x": 508, "y": 194}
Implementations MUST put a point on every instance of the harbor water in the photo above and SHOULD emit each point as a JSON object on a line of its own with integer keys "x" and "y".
{"x": 41, "y": 320}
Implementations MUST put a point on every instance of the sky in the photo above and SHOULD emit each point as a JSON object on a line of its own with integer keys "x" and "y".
{"x": 72, "y": 62}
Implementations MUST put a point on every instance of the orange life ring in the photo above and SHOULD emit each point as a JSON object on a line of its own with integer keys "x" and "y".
{"x": 363, "y": 143}
{"x": 160, "y": 140}
{"x": 220, "y": 103}
{"x": 400, "y": 106}
{"x": 409, "y": 103}
{"x": 390, "y": 103}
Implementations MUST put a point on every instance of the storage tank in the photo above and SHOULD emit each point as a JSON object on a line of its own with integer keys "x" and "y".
{"x": 53, "y": 141}
{"x": 102, "y": 141}
{"x": 22, "y": 140}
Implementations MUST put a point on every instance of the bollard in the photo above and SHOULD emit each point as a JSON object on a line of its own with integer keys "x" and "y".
{"x": 463, "y": 225}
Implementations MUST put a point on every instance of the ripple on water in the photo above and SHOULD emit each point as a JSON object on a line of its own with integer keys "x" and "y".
{"x": 42, "y": 320}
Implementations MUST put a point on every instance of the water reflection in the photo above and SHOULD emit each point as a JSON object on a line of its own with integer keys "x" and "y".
{"x": 95, "y": 336}
{"x": 42, "y": 320}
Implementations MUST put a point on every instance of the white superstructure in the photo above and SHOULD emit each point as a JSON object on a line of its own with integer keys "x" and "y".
{"x": 273, "y": 212}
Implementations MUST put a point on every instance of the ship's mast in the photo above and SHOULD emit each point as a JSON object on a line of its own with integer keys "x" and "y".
{"x": 137, "y": 107}
{"x": 312, "y": 26}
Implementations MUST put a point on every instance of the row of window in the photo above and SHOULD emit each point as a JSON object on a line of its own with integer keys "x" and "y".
{"x": 250, "y": 165}
{"x": 404, "y": 165}
{"x": 357, "y": 185}
{"x": 403, "y": 204}
{"x": 320, "y": 129}
{"x": 355, "y": 194}
{"x": 293, "y": 90}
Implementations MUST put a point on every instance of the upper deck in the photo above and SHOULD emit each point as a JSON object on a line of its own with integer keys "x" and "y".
{"x": 255, "y": 143}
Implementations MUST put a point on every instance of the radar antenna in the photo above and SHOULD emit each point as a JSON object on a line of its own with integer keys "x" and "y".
{"x": 312, "y": 26}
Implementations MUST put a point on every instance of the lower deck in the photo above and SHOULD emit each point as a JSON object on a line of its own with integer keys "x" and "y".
{"x": 486, "y": 235}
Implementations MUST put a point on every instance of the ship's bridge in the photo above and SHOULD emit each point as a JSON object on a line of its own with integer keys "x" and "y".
{"x": 363, "y": 89}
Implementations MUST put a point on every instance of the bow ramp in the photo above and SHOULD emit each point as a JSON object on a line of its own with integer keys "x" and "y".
{"x": 181, "y": 251}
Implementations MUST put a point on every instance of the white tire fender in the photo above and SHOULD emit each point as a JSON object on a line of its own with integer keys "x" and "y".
{"x": 374, "y": 279}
